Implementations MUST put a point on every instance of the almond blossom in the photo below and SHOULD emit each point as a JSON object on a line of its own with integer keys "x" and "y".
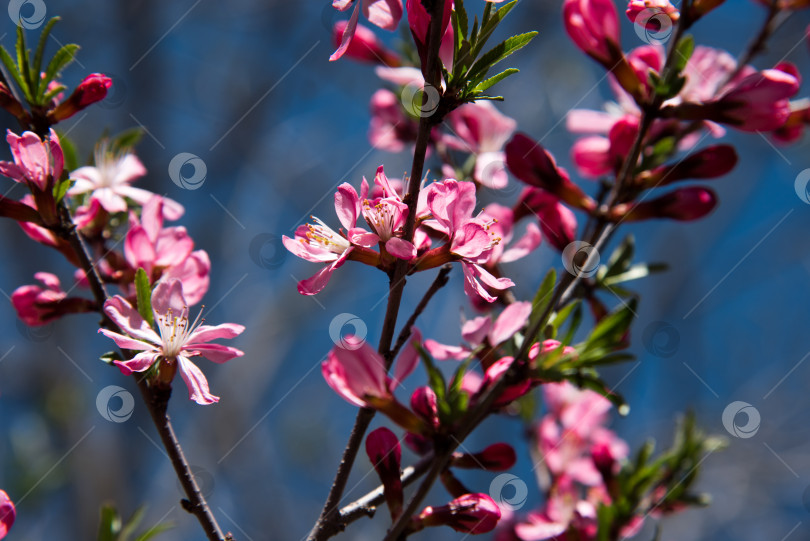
{"x": 38, "y": 164}
{"x": 176, "y": 341}
{"x": 385, "y": 14}
{"x": 108, "y": 182}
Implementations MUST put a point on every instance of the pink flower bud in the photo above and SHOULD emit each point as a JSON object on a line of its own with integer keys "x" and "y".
{"x": 711, "y": 162}
{"x": 684, "y": 204}
{"x": 532, "y": 164}
{"x": 419, "y": 21}
{"x": 593, "y": 26}
{"x": 7, "y": 513}
{"x": 382, "y": 447}
{"x": 495, "y": 372}
{"x": 37, "y": 305}
{"x": 471, "y": 513}
{"x": 758, "y": 102}
{"x": 365, "y": 46}
{"x": 651, "y": 7}
{"x": 496, "y": 457}
{"x": 423, "y": 403}
{"x": 91, "y": 90}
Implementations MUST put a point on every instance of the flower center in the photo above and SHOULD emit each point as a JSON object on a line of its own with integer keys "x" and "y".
{"x": 382, "y": 217}
{"x": 322, "y": 236}
{"x": 175, "y": 331}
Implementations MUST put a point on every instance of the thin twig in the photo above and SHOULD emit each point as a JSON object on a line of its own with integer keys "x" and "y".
{"x": 439, "y": 282}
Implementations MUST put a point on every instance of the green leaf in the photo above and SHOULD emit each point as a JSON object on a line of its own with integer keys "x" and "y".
{"x": 639, "y": 270}
{"x": 610, "y": 330}
{"x": 486, "y": 83}
{"x": 13, "y": 70}
{"x": 69, "y": 152}
{"x": 22, "y": 62}
{"x": 109, "y": 525}
{"x": 576, "y": 319}
{"x": 50, "y": 94}
{"x": 126, "y": 140}
{"x": 132, "y": 524}
{"x": 619, "y": 260}
{"x": 111, "y": 356}
{"x": 488, "y": 25}
{"x": 63, "y": 57}
{"x": 61, "y": 188}
{"x": 460, "y": 16}
{"x": 436, "y": 382}
{"x": 154, "y": 531}
{"x": 541, "y": 302}
{"x": 37, "y": 66}
{"x": 474, "y": 32}
{"x": 498, "y": 53}
{"x": 683, "y": 52}
{"x": 144, "y": 295}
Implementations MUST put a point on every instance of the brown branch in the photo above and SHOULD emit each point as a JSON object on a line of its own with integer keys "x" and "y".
{"x": 439, "y": 282}
{"x": 328, "y": 523}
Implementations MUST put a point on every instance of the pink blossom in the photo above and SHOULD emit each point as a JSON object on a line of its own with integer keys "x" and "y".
{"x": 480, "y": 129}
{"x": 92, "y": 89}
{"x": 557, "y": 222}
{"x": 483, "y": 331}
{"x": 386, "y": 216}
{"x": 7, "y": 514}
{"x": 364, "y": 45}
{"x": 424, "y": 404}
{"x": 176, "y": 341}
{"x": 651, "y": 10}
{"x": 382, "y": 13}
{"x": 470, "y": 513}
{"x": 418, "y": 21}
{"x": 504, "y": 227}
{"x": 109, "y": 182}
{"x": 759, "y": 102}
{"x": 37, "y": 305}
{"x": 390, "y": 128}
{"x": 358, "y": 374}
{"x": 37, "y": 163}
{"x": 710, "y": 162}
{"x": 593, "y": 25}
{"x": 151, "y": 246}
{"x": 452, "y": 204}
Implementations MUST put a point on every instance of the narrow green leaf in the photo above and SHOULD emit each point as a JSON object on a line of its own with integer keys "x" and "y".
{"x": 109, "y": 524}
{"x": 639, "y": 270}
{"x": 126, "y": 140}
{"x": 576, "y": 320}
{"x": 498, "y": 53}
{"x": 69, "y": 152}
{"x": 132, "y": 524}
{"x": 144, "y": 296}
{"x": 489, "y": 24}
{"x": 22, "y": 62}
{"x": 683, "y": 52}
{"x": 486, "y": 83}
{"x": 111, "y": 356}
{"x": 51, "y": 94}
{"x": 61, "y": 188}
{"x": 542, "y": 299}
{"x": 37, "y": 66}
{"x": 154, "y": 531}
{"x": 13, "y": 71}
{"x": 60, "y": 61}
{"x": 474, "y": 32}
{"x": 609, "y": 332}
{"x": 620, "y": 259}
{"x": 463, "y": 20}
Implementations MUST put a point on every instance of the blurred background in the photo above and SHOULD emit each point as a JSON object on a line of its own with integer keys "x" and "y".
{"x": 246, "y": 86}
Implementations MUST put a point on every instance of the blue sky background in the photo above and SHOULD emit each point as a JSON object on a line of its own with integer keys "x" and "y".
{"x": 247, "y": 87}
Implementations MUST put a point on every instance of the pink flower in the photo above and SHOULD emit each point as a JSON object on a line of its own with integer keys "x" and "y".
{"x": 390, "y": 128}
{"x": 176, "y": 341}
{"x": 557, "y": 222}
{"x": 593, "y": 25}
{"x": 504, "y": 227}
{"x": 759, "y": 102}
{"x": 37, "y": 163}
{"x": 93, "y": 88}
{"x": 482, "y": 130}
{"x": 382, "y": 13}
{"x": 365, "y": 46}
{"x": 36, "y": 305}
{"x": 419, "y": 20}
{"x": 109, "y": 182}
{"x": 386, "y": 216}
{"x": 150, "y": 246}
{"x": 483, "y": 331}
{"x": 358, "y": 374}
{"x": 7, "y": 514}
{"x": 470, "y": 513}
{"x": 451, "y": 203}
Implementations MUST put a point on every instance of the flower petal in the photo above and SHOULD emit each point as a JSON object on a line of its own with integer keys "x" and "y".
{"x": 216, "y": 353}
{"x": 140, "y": 362}
{"x": 129, "y": 320}
{"x": 196, "y": 382}
{"x": 206, "y": 333}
